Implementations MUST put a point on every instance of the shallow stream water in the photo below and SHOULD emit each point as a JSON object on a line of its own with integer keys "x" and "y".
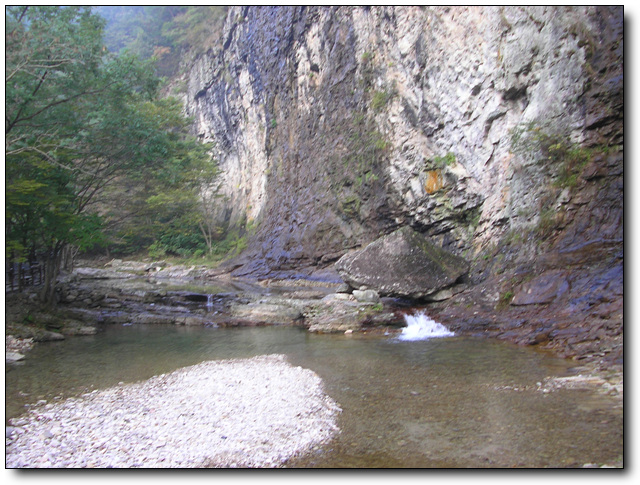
{"x": 449, "y": 402}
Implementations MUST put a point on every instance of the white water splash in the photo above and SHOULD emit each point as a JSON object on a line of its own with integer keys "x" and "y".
{"x": 421, "y": 327}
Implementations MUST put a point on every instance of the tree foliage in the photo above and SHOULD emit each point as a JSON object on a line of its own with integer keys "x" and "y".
{"x": 85, "y": 134}
{"x": 196, "y": 28}
{"x": 163, "y": 33}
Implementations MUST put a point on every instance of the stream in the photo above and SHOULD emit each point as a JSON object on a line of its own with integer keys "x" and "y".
{"x": 450, "y": 402}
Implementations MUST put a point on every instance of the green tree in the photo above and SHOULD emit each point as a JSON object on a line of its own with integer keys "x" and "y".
{"x": 165, "y": 33}
{"x": 80, "y": 122}
{"x": 168, "y": 212}
{"x": 196, "y": 28}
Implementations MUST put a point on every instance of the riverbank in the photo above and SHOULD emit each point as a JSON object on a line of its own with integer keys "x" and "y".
{"x": 584, "y": 324}
{"x": 122, "y": 301}
{"x": 255, "y": 412}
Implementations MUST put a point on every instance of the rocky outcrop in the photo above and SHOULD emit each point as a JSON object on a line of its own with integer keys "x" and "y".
{"x": 402, "y": 264}
{"x": 496, "y": 132}
{"x": 335, "y": 125}
{"x": 123, "y": 297}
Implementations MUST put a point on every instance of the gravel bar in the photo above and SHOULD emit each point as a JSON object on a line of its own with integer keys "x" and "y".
{"x": 256, "y": 412}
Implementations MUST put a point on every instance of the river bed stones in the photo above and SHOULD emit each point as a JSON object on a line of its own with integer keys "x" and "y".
{"x": 16, "y": 345}
{"x": 402, "y": 264}
{"x": 255, "y": 412}
{"x": 10, "y": 357}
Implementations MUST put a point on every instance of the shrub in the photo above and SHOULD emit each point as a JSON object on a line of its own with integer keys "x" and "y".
{"x": 546, "y": 145}
{"x": 448, "y": 160}
{"x": 379, "y": 100}
{"x": 505, "y": 300}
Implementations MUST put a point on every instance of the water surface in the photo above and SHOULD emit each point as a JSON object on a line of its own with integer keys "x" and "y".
{"x": 447, "y": 402}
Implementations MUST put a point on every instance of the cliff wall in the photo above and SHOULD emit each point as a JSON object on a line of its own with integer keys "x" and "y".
{"x": 335, "y": 125}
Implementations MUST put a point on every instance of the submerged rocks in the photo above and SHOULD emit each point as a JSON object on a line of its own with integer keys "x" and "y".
{"x": 403, "y": 264}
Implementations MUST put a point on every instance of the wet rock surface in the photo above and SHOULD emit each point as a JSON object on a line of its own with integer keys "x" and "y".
{"x": 89, "y": 298}
{"x": 577, "y": 314}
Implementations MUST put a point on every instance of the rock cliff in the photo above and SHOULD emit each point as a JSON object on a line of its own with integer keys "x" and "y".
{"x": 495, "y": 131}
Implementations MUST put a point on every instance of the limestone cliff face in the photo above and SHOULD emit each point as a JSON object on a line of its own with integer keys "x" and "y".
{"x": 335, "y": 125}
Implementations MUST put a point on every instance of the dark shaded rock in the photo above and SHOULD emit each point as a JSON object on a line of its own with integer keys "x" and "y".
{"x": 403, "y": 264}
{"x": 542, "y": 289}
{"x": 46, "y": 336}
{"x": 538, "y": 337}
{"x": 395, "y": 319}
{"x": 566, "y": 333}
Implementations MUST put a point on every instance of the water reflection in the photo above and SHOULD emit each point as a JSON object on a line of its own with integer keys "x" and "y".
{"x": 436, "y": 403}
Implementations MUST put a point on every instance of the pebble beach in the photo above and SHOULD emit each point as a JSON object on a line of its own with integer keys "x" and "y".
{"x": 254, "y": 413}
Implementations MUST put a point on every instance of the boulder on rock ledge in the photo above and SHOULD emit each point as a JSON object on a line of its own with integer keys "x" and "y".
{"x": 403, "y": 263}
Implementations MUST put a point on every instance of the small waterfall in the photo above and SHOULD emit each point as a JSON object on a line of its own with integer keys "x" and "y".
{"x": 209, "y": 302}
{"x": 421, "y": 327}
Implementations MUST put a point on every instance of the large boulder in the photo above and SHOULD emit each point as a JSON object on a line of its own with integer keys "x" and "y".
{"x": 403, "y": 263}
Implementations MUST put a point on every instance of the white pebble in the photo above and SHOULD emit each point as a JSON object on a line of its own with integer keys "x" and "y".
{"x": 246, "y": 412}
